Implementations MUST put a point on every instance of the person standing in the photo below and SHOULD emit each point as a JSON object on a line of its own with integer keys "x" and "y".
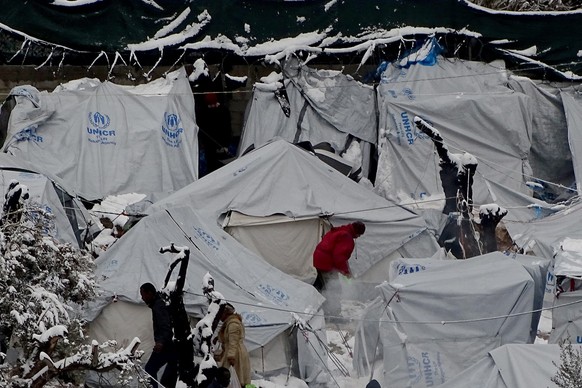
{"x": 331, "y": 257}
{"x": 234, "y": 353}
{"x": 163, "y": 352}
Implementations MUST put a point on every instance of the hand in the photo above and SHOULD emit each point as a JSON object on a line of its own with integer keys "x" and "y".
{"x": 231, "y": 360}
{"x": 158, "y": 346}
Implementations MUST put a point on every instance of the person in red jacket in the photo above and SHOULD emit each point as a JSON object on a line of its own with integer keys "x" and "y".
{"x": 331, "y": 257}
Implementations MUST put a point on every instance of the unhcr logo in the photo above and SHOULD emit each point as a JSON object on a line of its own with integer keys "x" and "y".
{"x": 275, "y": 294}
{"x": 98, "y": 131}
{"x": 171, "y": 130}
{"x": 29, "y": 134}
{"x": 207, "y": 238}
{"x": 252, "y": 319}
{"x": 407, "y": 129}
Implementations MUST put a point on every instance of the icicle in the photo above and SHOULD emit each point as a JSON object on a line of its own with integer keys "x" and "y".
{"x": 102, "y": 53}
{"x": 147, "y": 75}
{"x": 62, "y": 61}
{"x": 117, "y": 56}
{"x": 174, "y": 64}
{"x": 25, "y": 42}
{"x": 366, "y": 55}
{"x": 47, "y": 59}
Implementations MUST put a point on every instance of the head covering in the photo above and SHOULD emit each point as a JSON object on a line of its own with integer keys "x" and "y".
{"x": 359, "y": 227}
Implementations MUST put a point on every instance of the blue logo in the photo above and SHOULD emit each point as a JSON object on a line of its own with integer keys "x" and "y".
{"x": 207, "y": 238}
{"x": 97, "y": 129}
{"x": 407, "y": 92}
{"x": 171, "y": 130}
{"x": 277, "y": 295}
{"x": 408, "y": 269}
{"x": 29, "y": 134}
{"x": 252, "y": 319}
{"x": 414, "y": 373}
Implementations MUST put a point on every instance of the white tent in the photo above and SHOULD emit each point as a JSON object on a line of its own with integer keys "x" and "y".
{"x": 266, "y": 298}
{"x": 437, "y": 321}
{"x": 280, "y": 192}
{"x": 106, "y": 139}
{"x": 70, "y": 222}
{"x": 510, "y": 366}
{"x": 324, "y": 106}
{"x": 473, "y": 110}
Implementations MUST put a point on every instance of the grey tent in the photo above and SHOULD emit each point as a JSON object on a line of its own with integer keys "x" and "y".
{"x": 510, "y": 366}
{"x": 433, "y": 323}
{"x": 323, "y": 106}
{"x": 280, "y": 193}
{"x": 267, "y": 299}
{"x": 106, "y": 139}
{"x": 475, "y": 112}
{"x": 71, "y": 222}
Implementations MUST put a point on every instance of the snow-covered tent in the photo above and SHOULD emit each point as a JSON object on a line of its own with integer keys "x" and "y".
{"x": 543, "y": 236}
{"x": 70, "y": 222}
{"x": 510, "y": 366}
{"x": 274, "y": 199}
{"x": 440, "y": 319}
{"x": 107, "y": 139}
{"x": 475, "y": 112}
{"x": 312, "y": 105}
{"x": 266, "y": 298}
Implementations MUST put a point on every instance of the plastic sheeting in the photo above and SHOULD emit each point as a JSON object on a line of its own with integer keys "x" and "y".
{"x": 280, "y": 178}
{"x": 573, "y": 107}
{"x": 104, "y": 139}
{"x": 510, "y": 366}
{"x": 70, "y": 221}
{"x": 468, "y": 104}
{"x": 433, "y": 326}
{"x": 325, "y": 106}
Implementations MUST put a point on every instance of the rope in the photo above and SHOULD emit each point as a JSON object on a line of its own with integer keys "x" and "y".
{"x": 351, "y": 319}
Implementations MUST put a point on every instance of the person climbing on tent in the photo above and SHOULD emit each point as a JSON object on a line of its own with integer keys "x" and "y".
{"x": 457, "y": 172}
{"x": 163, "y": 352}
{"x": 331, "y": 256}
{"x": 231, "y": 337}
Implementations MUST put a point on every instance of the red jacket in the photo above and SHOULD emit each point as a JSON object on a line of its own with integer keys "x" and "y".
{"x": 334, "y": 250}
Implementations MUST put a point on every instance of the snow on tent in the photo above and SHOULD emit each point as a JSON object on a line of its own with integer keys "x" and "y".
{"x": 541, "y": 237}
{"x": 266, "y": 298}
{"x": 566, "y": 290}
{"x": 512, "y": 365}
{"x": 434, "y": 323}
{"x": 469, "y": 104}
{"x": 318, "y": 106}
{"x": 274, "y": 200}
{"x": 70, "y": 222}
{"x": 107, "y": 139}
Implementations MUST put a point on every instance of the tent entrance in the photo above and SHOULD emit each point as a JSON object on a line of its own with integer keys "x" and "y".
{"x": 284, "y": 242}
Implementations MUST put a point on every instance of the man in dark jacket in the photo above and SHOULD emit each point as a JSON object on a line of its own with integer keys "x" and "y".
{"x": 163, "y": 352}
{"x": 330, "y": 257}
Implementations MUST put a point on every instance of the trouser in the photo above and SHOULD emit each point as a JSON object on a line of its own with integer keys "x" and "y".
{"x": 157, "y": 361}
{"x": 328, "y": 283}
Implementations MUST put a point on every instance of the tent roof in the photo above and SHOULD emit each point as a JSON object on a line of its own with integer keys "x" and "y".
{"x": 281, "y": 178}
{"x": 512, "y": 365}
{"x": 263, "y": 295}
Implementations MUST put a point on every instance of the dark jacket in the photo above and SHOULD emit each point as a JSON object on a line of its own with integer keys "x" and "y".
{"x": 161, "y": 319}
